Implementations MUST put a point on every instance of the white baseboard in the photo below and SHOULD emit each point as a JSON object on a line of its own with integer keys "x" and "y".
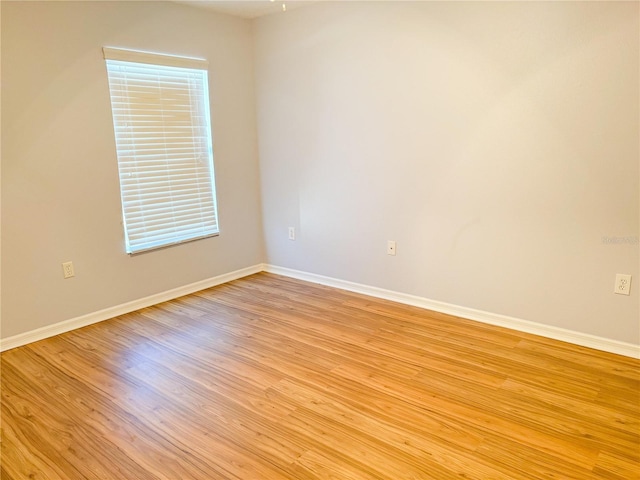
{"x": 556, "y": 333}
{"x": 99, "y": 316}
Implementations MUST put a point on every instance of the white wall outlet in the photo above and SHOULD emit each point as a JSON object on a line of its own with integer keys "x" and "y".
{"x": 67, "y": 269}
{"x": 292, "y": 233}
{"x": 623, "y": 284}
{"x": 391, "y": 247}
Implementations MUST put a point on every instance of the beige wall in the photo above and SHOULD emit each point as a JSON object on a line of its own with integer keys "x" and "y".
{"x": 60, "y": 194}
{"x": 496, "y": 142}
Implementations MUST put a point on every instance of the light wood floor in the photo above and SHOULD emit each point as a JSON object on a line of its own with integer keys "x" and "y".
{"x": 273, "y": 378}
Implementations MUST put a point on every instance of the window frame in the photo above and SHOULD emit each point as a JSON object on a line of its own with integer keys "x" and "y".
{"x": 154, "y": 214}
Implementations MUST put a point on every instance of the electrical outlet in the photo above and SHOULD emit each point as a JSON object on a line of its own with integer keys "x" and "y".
{"x": 67, "y": 269}
{"x": 292, "y": 233}
{"x": 391, "y": 247}
{"x": 623, "y": 284}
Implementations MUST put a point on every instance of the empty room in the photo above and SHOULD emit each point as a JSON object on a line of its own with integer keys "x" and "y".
{"x": 342, "y": 240}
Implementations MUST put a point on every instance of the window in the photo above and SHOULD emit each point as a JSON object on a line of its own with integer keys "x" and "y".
{"x": 161, "y": 119}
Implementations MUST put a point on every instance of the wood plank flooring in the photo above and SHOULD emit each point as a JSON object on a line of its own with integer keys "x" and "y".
{"x": 273, "y": 378}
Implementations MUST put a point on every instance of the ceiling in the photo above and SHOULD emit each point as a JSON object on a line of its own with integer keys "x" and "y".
{"x": 247, "y": 8}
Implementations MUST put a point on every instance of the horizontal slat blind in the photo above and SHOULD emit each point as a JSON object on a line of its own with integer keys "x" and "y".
{"x": 163, "y": 141}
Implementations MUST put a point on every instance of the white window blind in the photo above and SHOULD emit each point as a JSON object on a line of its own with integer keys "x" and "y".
{"x": 161, "y": 119}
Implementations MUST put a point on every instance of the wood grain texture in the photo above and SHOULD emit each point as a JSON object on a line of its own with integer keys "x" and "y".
{"x": 273, "y": 378}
